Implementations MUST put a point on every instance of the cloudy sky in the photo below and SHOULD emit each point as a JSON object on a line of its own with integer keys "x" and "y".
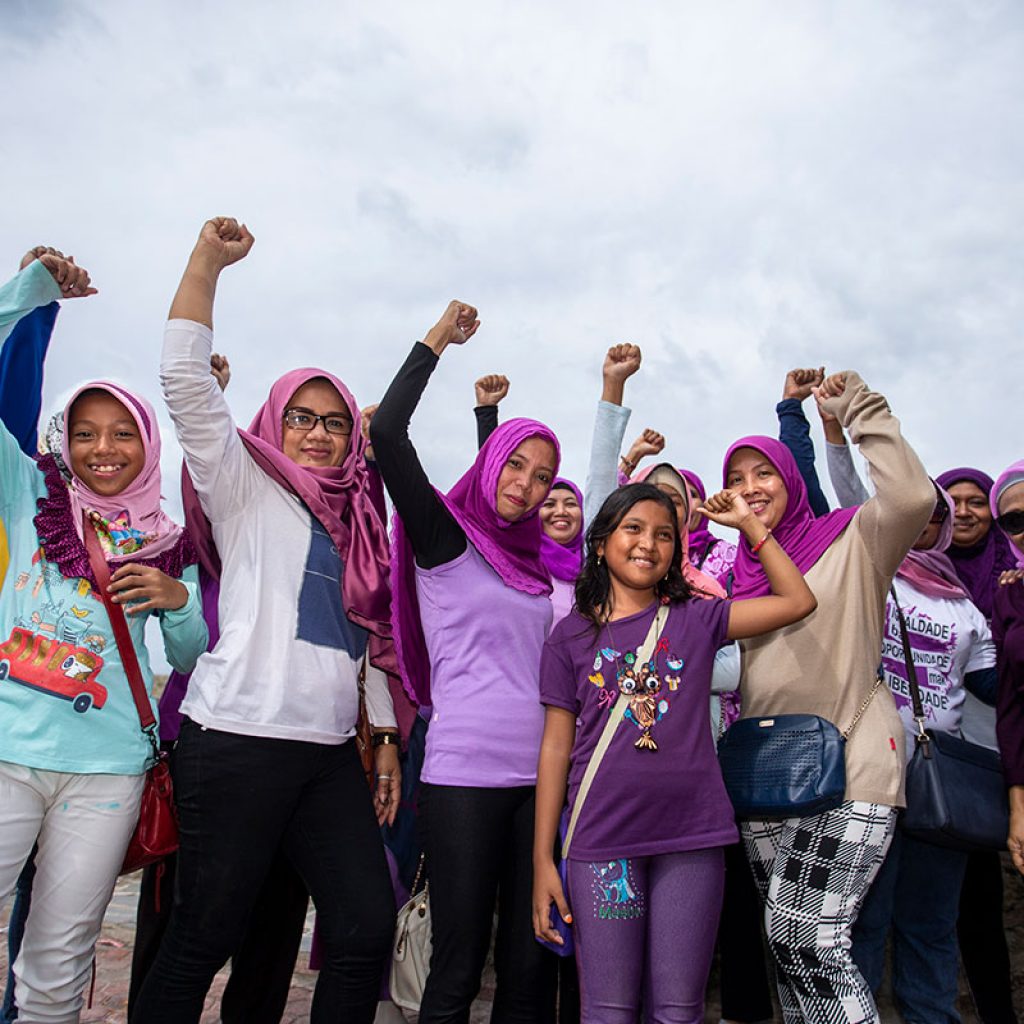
{"x": 737, "y": 187}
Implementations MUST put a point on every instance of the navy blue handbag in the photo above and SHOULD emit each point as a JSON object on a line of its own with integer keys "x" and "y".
{"x": 786, "y": 766}
{"x": 956, "y": 793}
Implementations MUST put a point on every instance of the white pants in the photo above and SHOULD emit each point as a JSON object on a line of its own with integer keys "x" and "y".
{"x": 82, "y": 824}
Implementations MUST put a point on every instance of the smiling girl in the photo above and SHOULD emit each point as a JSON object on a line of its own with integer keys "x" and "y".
{"x": 472, "y": 609}
{"x": 646, "y": 865}
{"x": 72, "y": 753}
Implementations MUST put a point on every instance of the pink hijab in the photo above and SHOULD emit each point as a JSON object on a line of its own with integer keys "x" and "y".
{"x": 701, "y": 583}
{"x": 138, "y": 505}
{"x": 931, "y": 570}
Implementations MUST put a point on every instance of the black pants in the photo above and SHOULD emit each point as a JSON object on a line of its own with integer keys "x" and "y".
{"x": 240, "y": 799}
{"x": 262, "y": 966}
{"x": 743, "y": 972}
{"x": 982, "y": 936}
{"x": 479, "y": 845}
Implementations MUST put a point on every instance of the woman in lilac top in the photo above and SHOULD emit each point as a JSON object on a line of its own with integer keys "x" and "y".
{"x": 471, "y": 611}
{"x": 645, "y": 885}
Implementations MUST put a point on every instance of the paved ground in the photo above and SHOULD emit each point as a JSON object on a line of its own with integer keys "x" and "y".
{"x": 115, "y": 951}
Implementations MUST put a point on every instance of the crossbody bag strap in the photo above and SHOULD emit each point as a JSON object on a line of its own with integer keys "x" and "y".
{"x": 908, "y": 659}
{"x": 614, "y": 718}
{"x": 122, "y": 636}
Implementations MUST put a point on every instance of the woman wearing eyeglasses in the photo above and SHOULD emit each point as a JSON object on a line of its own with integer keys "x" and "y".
{"x": 916, "y": 893}
{"x": 266, "y": 759}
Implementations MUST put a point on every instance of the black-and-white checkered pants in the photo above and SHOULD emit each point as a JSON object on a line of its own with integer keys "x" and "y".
{"x": 812, "y": 874}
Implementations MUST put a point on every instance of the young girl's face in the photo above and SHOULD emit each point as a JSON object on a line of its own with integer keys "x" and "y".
{"x": 639, "y": 550}
{"x": 561, "y": 516}
{"x": 104, "y": 442}
{"x": 695, "y": 513}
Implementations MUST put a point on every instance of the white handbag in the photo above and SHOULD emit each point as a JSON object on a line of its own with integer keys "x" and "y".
{"x": 410, "y": 955}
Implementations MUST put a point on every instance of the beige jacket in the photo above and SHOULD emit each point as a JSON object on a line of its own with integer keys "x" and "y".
{"x": 827, "y": 664}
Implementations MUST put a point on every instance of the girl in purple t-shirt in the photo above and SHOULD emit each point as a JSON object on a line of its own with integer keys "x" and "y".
{"x": 646, "y": 864}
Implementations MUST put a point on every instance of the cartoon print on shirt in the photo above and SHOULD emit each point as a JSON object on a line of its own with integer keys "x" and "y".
{"x": 53, "y": 667}
{"x": 642, "y": 684}
{"x": 615, "y": 891}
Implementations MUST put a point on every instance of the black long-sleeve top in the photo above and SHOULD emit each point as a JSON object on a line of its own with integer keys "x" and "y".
{"x": 435, "y": 536}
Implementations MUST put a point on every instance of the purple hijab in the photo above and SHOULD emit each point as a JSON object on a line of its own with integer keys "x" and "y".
{"x": 980, "y": 565}
{"x": 802, "y": 536}
{"x": 512, "y": 550}
{"x": 564, "y": 561}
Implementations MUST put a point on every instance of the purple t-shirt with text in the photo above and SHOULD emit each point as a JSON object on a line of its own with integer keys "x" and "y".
{"x": 643, "y": 800}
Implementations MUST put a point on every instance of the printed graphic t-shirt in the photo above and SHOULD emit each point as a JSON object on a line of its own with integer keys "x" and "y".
{"x": 659, "y": 788}
{"x": 948, "y": 639}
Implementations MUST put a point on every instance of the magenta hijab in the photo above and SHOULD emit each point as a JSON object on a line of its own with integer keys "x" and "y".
{"x": 702, "y": 537}
{"x": 981, "y": 564}
{"x": 930, "y": 570}
{"x": 1011, "y": 476}
{"x": 701, "y": 583}
{"x": 512, "y": 550}
{"x": 564, "y": 561}
{"x": 802, "y": 536}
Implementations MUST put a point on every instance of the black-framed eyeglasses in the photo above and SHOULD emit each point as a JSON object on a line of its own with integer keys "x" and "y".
{"x": 941, "y": 512}
{"x": 305, "y": 420}
{"x": 1012, "y": 522}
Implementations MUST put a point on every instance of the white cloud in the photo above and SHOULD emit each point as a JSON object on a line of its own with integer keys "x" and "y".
{"x": 739, "y": 187}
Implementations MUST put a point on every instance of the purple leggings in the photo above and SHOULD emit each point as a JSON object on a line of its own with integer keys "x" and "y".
{"x": 645, "y": 933}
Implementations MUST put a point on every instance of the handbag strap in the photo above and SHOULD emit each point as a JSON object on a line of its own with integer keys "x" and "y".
{"x": 908, "y": 659}
{"x": 125, "y": 647}
{"x": 614, "y": 718}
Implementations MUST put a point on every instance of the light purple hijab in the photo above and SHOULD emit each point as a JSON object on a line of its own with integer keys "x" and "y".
{"x": 1008, "y": 478}
{"x": 512, "y": 550}
{"x": 802, "y": 536}
{"x": 564, "y": 561}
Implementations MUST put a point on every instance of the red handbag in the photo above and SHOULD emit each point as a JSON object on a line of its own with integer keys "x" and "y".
{"x": 156, "y": 834}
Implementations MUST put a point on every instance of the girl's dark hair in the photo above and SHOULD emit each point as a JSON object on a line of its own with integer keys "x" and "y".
{"x": 593, "y": 585}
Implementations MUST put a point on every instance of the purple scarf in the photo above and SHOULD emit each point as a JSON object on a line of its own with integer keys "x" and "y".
{"x": 980, "y": 565}
{"x": 802, "y": 536}
{"x": 564, "y": 561}
{"x": 512, "y": 550}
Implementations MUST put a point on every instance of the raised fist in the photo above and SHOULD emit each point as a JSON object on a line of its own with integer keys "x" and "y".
{"x": 221, "y": 369}
{"x": 491, "y": 389}
{"x": 621, "y": 362}
{"x": 650, "y": 442}
{"x": 831, "y": 387}
{"x": 73, "y": 280}
{"x": 223, "y": 241}
{"x": 727, "y": 508}
{"x": 800, "y": 382}
{"x": 457, "y": 325}
{"x": 364, "y": 427}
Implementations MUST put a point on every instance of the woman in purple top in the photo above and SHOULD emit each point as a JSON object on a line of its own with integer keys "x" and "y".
{"x": 471, "y": 609}
{"x": 646, "y": 865}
